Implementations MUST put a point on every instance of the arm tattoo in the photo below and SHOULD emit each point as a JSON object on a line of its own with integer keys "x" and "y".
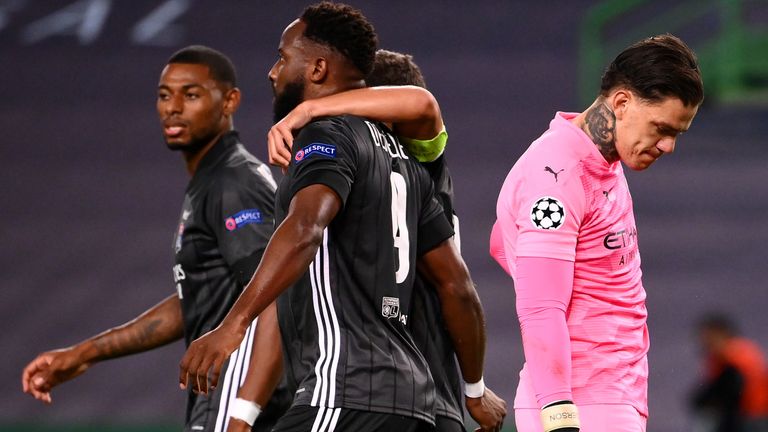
{"x": 122, "y": 343}
{"x": 600, "y": 125}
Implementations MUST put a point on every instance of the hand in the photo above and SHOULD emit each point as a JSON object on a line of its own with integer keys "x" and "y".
{"x": 237, "y": 425}
{"x": 50, "y": 369}
{"x": 488, "y": 411}
{"x": 207, "y": 355}
{"x": 280, "y": 136}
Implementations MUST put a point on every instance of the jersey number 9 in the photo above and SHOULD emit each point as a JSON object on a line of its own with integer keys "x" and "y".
{"x": 399, "y": 226}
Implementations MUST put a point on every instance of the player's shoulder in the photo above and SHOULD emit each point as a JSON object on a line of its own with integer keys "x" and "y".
{"x": 341, "y": 136}
{"x": 551, "y": 166}
{"x": 242, "y": 172}
{"x": 558, "y": 150}
{"x": 333, "y": 124}
{"x": 336, "y": 130}
{"x": 350, "y": 125}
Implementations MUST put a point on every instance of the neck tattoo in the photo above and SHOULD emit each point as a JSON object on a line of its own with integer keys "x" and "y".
{"x": 600, "y": 125}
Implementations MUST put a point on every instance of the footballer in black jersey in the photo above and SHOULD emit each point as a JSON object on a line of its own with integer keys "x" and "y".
{"x": 413, "y": 112}
{"x": 344, "y": 323}
{"x": 428, "y": 330}
{"x": 426, "y": 324}
{"x": 354, "y": 213}
{"x": 226, "y": 221}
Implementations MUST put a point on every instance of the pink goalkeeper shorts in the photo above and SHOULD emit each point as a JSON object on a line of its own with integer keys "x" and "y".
{"x": 593, "y": 418}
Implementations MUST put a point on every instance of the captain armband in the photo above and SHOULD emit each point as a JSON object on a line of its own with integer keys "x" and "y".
{"x": 426, "y": 150}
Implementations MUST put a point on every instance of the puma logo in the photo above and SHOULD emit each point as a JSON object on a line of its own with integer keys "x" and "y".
{"x": 608, "y": 195}
{"x": 550, "y": 170}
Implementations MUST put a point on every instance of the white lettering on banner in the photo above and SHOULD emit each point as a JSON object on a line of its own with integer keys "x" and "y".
{"x": 316, "y": 148}
{"x": 84, "y": 18}
{"x": 157, "y": 28}
{"x": 251, "y": 215}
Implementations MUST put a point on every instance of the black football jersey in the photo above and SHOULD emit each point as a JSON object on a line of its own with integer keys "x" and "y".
{"x": 226, "y": 222}
{"x": 344, "y": 322}
{"x": 426, "y": 322}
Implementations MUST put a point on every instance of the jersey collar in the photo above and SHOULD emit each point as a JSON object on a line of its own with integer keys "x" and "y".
{"x": 223, "y": 146}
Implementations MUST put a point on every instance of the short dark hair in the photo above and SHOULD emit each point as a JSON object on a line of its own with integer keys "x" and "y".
{"x": 656, "y": 68}
{"x": 394, "y": 68}
{"x": 219, "y": 65}
{"x": 344, "y": 29}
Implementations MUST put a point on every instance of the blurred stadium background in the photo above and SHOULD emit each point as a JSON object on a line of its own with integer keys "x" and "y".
{"x": 90, "y": 195}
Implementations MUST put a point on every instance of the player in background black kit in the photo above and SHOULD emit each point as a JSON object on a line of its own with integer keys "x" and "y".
{"x": 349, "y": 256}
{"x": 428, "y": 328}
{"x": 425, "y": 322}
{"x": 226, "y": 221}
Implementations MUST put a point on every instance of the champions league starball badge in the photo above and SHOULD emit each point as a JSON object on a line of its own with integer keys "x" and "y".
{"x": 548, "y": 213}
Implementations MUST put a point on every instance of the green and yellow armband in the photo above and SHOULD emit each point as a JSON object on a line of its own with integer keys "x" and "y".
{"x": 426, "y": 150}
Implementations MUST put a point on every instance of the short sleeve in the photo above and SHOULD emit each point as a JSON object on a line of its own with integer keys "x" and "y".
{"x": 434, "y": 227}
{"x": 546, "y": 213}
{"x": 243, "y": 220}
{"x": 324, "y": 154}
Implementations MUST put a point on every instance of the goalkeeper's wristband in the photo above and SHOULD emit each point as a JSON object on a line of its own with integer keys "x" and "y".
{"x": 561, "y": 416}
{"x": 244, "y": 410}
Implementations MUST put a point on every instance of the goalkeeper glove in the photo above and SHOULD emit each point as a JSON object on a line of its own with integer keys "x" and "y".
{"x": 560, "y": 416}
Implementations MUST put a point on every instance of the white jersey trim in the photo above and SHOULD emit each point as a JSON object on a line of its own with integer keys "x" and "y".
{"x": 237, "y": 369}
{"x": 329, "y": 333}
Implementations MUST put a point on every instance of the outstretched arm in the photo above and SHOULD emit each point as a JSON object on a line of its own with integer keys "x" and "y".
{"x": 158, "y": 326}
{"x": 287, "y": 256}
{"x": 413, "y": 111}
{"x": 463, "y": 315}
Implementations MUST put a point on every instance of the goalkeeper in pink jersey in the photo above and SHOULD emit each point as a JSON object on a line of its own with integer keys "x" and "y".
{"x": 566, "y": 233}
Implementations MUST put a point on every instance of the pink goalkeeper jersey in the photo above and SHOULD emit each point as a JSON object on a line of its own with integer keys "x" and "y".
{"x": 563, "y": 200}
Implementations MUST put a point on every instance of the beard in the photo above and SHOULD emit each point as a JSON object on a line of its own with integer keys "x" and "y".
{"x": 290, "y": 98}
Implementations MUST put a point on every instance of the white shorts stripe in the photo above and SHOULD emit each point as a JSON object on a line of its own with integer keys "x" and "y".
{"x": 335, "y": 419}
{"x": 326, "y": 419}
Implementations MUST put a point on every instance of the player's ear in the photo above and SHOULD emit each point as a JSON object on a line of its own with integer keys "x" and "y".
{"x": 318, "y": 70}
{"x": 231, "y": 101}
{"x": 619, "y": 102}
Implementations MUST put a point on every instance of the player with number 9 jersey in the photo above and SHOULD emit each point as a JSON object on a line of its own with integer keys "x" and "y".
{"x": 343, "y": 324}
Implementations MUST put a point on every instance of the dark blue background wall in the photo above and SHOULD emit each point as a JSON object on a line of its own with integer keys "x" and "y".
{"x": 90, "y": 195}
